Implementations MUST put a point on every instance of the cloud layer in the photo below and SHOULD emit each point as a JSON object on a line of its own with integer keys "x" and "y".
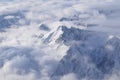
{"x": 29, "y": 31}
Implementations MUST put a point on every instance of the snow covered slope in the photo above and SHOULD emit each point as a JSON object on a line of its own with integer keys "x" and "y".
{"x": 89, "y": 61}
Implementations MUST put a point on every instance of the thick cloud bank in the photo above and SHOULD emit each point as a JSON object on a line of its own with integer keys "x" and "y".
{"x": 31, "y": 45}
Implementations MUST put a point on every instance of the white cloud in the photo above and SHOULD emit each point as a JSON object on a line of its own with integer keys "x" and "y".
{"x": 20, "y": 38}
{"x": 70, "y": 76}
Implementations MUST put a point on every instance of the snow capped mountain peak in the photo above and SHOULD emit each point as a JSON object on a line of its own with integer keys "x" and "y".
{"x": 101, "y": 59}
